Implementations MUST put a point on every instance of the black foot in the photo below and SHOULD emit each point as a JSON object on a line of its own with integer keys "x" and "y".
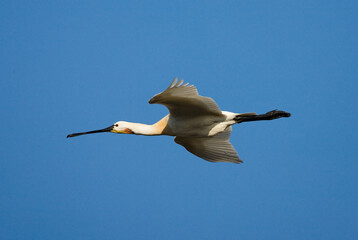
{"x": 277, "y": 114}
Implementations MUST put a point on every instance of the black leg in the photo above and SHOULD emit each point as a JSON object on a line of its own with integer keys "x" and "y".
{"x": 274, "y": 114}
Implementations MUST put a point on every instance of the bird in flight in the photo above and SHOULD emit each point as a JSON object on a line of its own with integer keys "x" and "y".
{"x": 196, "y": 122}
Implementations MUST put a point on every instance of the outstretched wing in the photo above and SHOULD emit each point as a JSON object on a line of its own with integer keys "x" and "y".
{"x": 214, "y": 149}
{"x": 184, "y": 100}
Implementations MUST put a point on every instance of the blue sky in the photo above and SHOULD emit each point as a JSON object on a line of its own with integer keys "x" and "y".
{"x": 69, "y": 66}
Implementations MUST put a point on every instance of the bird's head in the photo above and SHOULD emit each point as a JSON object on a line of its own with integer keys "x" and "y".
{"x": 118, "y": 127}
{"x": 122, "y": 127}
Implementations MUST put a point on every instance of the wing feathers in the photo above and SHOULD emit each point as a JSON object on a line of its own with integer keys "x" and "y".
{"x": 173, "y": 83}
{"x": 214, "y": 149}
{"x": 182, "y": 99}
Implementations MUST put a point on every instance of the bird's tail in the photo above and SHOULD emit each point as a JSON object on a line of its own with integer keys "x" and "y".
{"x": 249, "y": 117}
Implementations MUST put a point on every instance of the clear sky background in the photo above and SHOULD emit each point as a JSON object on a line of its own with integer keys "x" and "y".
{"x": 69, "y": 66}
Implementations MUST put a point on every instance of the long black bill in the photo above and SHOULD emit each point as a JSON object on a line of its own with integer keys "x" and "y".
{"x": 95, "y": 131}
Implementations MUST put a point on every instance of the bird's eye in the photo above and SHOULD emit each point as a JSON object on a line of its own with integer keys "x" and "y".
{"x": 116, "y": 125}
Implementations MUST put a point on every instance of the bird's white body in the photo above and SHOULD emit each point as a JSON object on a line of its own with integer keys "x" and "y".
{"x": 197, "y": 123}
{"x": 183, "y": 127}
{"x": 202, "y": 126}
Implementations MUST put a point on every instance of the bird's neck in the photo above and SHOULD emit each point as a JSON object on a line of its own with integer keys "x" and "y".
{"x": 143, "y": 129}
{"x": 150, "y": 130}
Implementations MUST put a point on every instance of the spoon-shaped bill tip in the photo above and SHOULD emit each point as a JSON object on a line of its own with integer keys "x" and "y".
{"x": 73, "y": 135}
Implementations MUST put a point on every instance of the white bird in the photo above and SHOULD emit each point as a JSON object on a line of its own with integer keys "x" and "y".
{"x": 197, "y": 123}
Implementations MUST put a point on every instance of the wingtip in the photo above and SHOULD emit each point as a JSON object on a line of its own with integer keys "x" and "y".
{"x": 236, "y": 161}
{"x": 154, "y": 99}
{"x": 173, "y": 83}
{"x": 179, "y": 83}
